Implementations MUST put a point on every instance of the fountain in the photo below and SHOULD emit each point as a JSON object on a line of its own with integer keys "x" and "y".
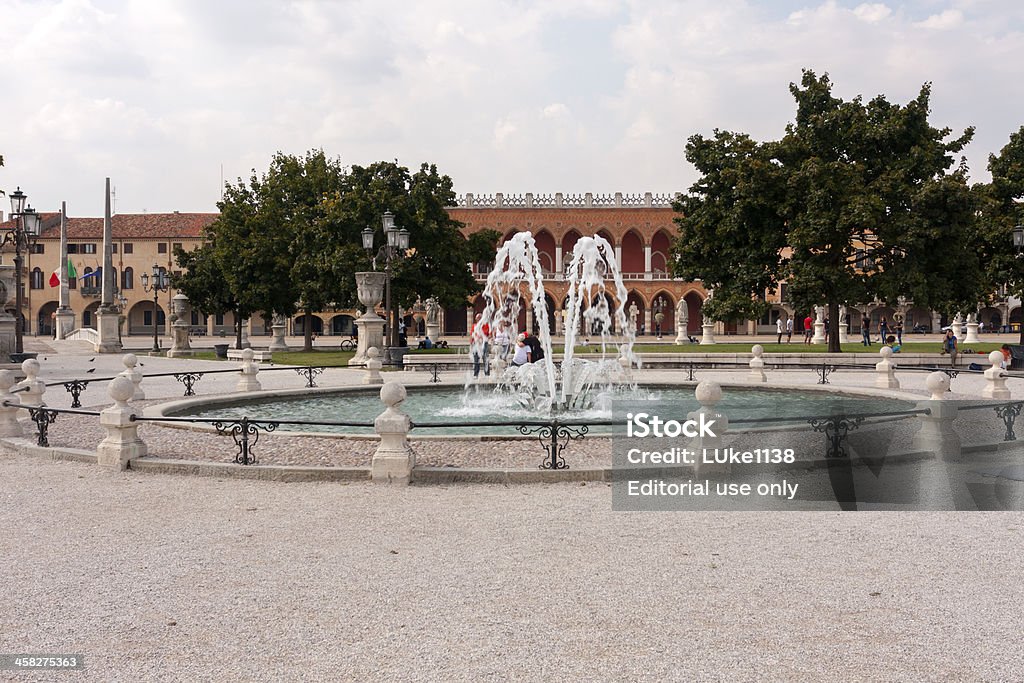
{"x": 577, "y": 382}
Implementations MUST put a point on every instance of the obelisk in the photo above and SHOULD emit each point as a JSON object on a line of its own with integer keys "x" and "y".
{"x": 64, "y": 320}
{"x": 106, "y": 317}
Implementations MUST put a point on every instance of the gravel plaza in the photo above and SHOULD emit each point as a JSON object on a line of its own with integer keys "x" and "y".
{"x": 164, "y": 577}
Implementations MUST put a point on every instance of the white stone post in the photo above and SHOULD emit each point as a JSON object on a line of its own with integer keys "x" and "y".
{"x": 936, "y": 434}
{"x": 33, "y": 387}
{"x": 708, "y": 394}
{"x": 995, "y": 378}
{"x": 122, "y": 443}
{"x": 9, "y": 425}
{"x": 373, "y": 366}
{"x": 394, "y": 460}
{"x": 886, "y": 369}
{"x": 247, "y": 381}
{"x": 843, "y": 338}
{"x": 135, "y": 375}
{"x": 757, "y": 373}
{"x": 972, "y": 330}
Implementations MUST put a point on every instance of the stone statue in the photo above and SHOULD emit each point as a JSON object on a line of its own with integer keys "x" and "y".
{"x": 634, "y": 312}
{"x": 433, "y": 311}
{"x": 819, "y": 314}
{"x": 682, "y": 312}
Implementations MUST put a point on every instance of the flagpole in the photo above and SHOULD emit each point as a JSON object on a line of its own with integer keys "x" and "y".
{"x": 64, "y": 320}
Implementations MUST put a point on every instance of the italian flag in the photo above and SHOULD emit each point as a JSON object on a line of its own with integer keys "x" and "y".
{"x": 55, "y": 277}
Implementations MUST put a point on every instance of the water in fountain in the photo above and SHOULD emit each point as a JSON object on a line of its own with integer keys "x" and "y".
{"x": 578, "y": 383}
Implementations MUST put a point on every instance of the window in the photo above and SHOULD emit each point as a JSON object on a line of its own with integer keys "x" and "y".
{"x": 128, "y": 278}
{"x": 129, "y": 248}
{"x": 38, "y": 248}
{"x": 783, "y": 291}
{"x": 219, "y": 320}
{"x": 147, "y": 318}
{"x": 161, "y": 248}
{"x": 113, "y": 248}
{"x": 36, "y": 279}
{"x": 72, "y": 248}
{"x": 175, "y": 246}
{"x": 89, "y": 248}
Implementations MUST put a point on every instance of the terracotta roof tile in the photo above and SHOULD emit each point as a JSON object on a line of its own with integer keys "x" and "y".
{"x": 128, "y": 226}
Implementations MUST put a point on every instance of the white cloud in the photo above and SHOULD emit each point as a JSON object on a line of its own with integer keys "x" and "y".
{"x": 872, "y": 13}
{"x": 945, "y": 20}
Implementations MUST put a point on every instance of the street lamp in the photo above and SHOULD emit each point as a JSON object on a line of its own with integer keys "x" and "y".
{"x": 1018, "y": 239}
{"x": 394, "y": 248}
{"x": 23, "y": 234}
{"x": 159, "y": 282}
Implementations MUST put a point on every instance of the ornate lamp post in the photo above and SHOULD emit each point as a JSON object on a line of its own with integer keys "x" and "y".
{"x": 159, "y": 282}
{"x": 1018, "y": 243}
{"x": 394, "y": 248}
{"x": 23, "y": 235}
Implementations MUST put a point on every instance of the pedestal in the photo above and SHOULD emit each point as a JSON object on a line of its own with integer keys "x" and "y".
{"x": 180, "y": 345}
{"x": 819, "y": 333}
{"x": 64, "y": 322}
{"x": 708, "y": 336}
{"x": 371, "y": 335}
{"x": 681, "y": 336}
{"x": 279, "y": 328}
{"x": 246, "y": 344}
{"x": 7, "y": 342}
{"x": 972, "y": 333}
{"x": 106, "y": 326}
{"x": 434, "y": 331}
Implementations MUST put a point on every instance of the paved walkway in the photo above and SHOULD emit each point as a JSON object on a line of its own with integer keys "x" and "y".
{"x": 175, "y": 578}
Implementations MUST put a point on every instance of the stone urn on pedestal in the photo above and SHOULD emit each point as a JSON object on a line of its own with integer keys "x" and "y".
{"x": 180, "y": 345}
{"x": 279, "y": 327}
{"x": 370, "y": 290}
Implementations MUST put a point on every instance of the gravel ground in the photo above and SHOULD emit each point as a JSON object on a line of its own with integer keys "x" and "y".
{"x": 201, "y": 579}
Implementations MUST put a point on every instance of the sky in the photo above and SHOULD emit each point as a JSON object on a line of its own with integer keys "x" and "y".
{"x": 169, "y": 97}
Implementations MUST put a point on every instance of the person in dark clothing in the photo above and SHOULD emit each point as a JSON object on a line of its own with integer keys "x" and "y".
{"x": 536, "y": 350}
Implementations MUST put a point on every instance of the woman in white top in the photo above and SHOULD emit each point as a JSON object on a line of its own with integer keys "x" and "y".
{"x": 522, "y": 355}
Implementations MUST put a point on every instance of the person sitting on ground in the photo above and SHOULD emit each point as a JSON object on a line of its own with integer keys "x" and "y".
{"x": 891, "y": 341}
{"x": 426, "y": 343}
{"x": 522, "y": 353}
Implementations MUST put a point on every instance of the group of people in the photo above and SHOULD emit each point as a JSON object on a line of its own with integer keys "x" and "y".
{"x": 890, "y": 335}
{"x": 528, "y": 348}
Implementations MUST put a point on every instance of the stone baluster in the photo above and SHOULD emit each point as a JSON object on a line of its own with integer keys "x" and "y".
{"x": 394, "y": 460}
{"x": 122, "y": 443}
{"x": 373, "y": 365}
{"x": 250, "y": 368}
{"x": 995, "y": 378}
{"x": 32, "y": 387}
{"x": 886, "y": 369}
{"x": 757, "y": 373}
{"x": 134, "y": 374}
{"x": 9, "y": 425}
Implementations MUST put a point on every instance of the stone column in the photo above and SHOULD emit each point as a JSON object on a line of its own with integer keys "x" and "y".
{"x": 886, "y": 369}
{"x": 648, "y": 322}
{"x": 648, "y": 274}
{"x": 107, "y": 322}
{"x": 394, "y": 460}
{"x": 247, "y": 380}
{"x": 9, "y": 425}
{"x": 122, "y": 443}
{"x": 995, "y": 378}
{"x": 559, "y": 268}
{"x": 33, "y": 387}
{"x": 279, "y": 326}
{"x": 133, "y": 374}
{"x": 64, "y": 320}
{"x": 936, "y": 323}
{"x": 370, "y": 289}
{"x": 757, "y": 373}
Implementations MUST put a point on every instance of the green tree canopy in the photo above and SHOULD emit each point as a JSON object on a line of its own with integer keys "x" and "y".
{"x": 847, "y": 207}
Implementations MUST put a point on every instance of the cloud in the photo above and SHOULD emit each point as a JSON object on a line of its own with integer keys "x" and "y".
{"x": 945, "y": 20}
{"x": 872, "y": 13}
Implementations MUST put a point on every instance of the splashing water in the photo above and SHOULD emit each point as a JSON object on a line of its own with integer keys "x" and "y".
{"x": 578, "y": 383}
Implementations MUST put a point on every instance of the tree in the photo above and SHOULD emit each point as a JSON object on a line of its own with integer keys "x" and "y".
{"x": 290, "y": 238}
{"x": 1001, "y": 213}
{"x": 848, "y": 206}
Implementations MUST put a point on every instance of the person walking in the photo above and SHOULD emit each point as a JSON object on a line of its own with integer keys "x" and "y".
{"x": 865, "y": 330}
{"x": 949, "y": 346}
{"x": 480, "y": 342}
{"x": 808, "y": 328}
{"x": 789, "y": 330}
{"x": 898, "y": 330}
{"x": 778, "y": 328}
{"x": 883, "y": 329}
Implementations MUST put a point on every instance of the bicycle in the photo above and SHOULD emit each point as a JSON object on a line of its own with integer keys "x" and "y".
{"x": 349, "y": 344}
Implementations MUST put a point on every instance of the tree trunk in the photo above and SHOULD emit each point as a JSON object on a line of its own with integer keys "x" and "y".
{"x": 238, "y": 330}
{"x": 307, "y": 331}
{"x": 833, "y": 328}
